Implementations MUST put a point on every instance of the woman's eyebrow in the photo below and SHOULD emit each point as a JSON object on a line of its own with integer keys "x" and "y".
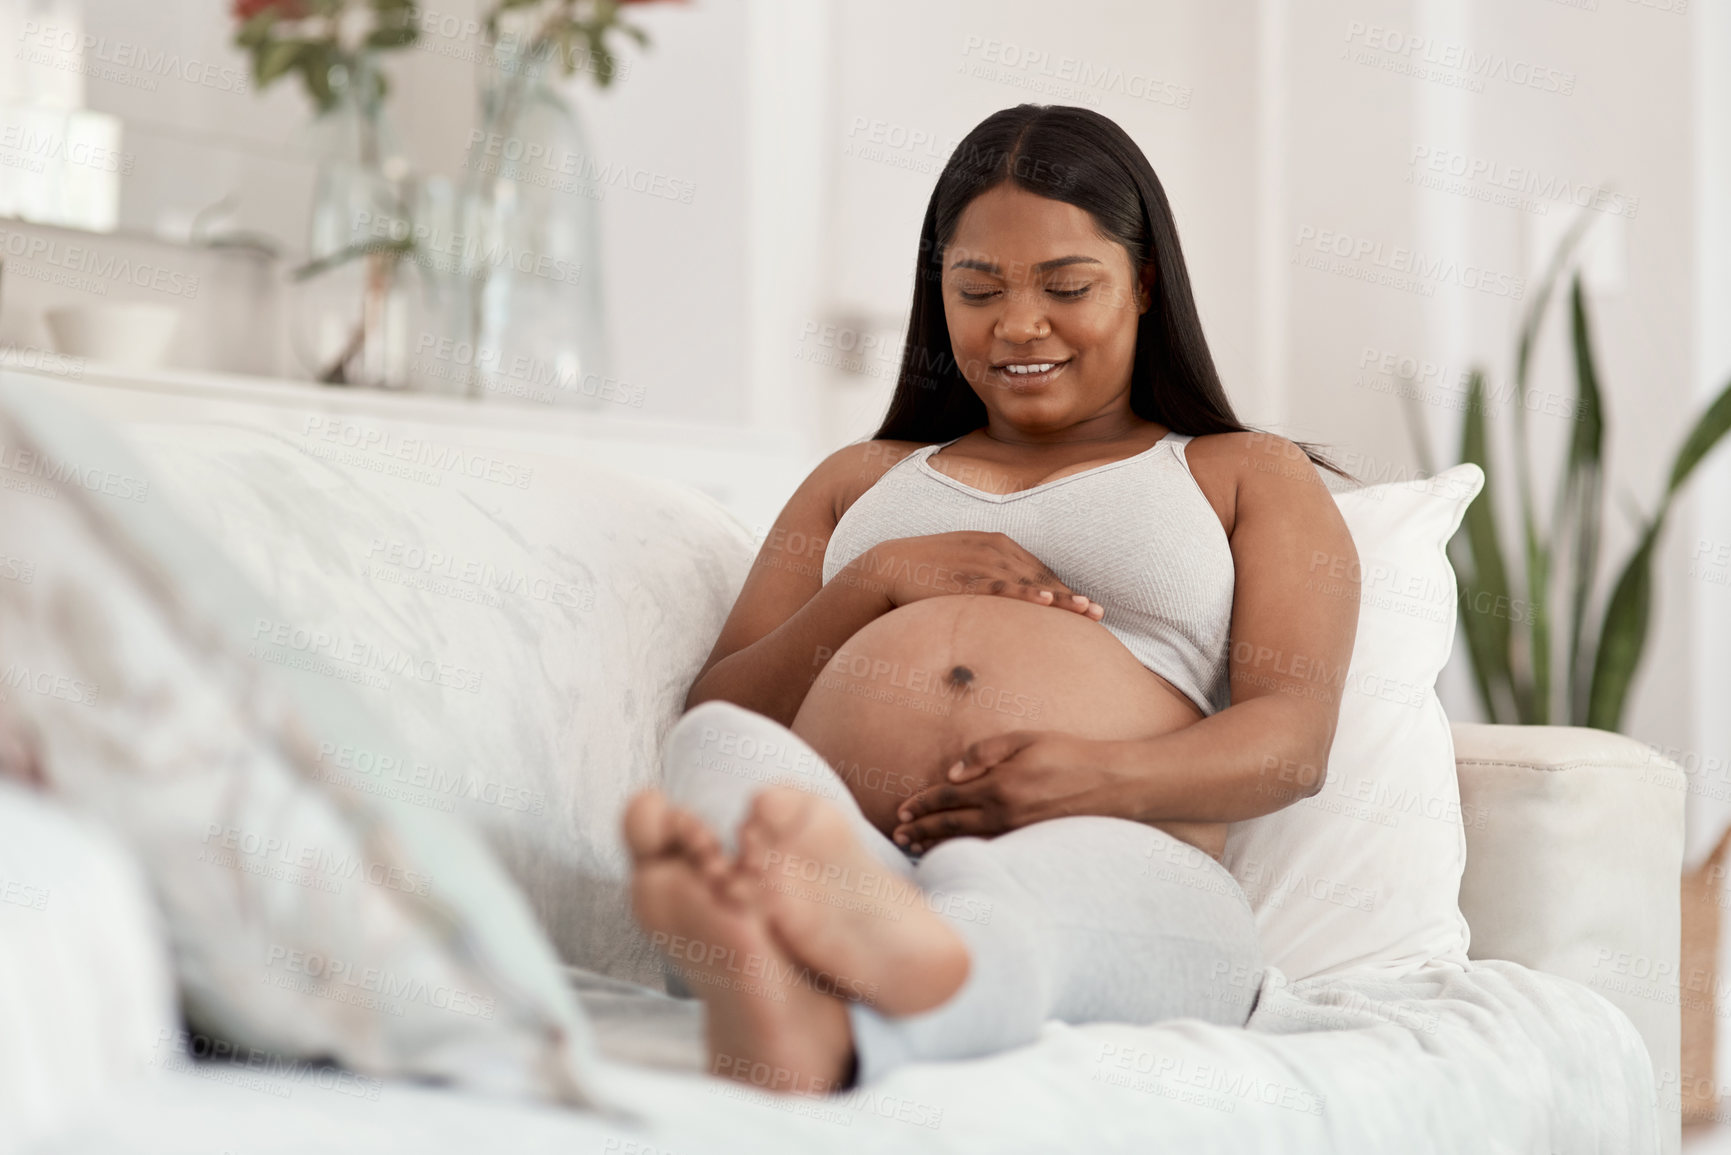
{"x": 1042, "y": 267}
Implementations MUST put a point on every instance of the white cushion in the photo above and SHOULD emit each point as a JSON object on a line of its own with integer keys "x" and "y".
{"x": 1365, "y": 874}
{"x": 530, "y": 624}
{"x": 85, "y": 989}
{"x": 302, "y": 920}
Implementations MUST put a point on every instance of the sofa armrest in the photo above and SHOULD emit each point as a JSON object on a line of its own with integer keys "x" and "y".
{"x": 1574, "y": 862}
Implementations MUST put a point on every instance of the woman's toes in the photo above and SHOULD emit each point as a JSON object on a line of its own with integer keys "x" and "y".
{"x": 837, "y": 909}
{"x": 657, "y": 830}
{"x": 782, "y": 810}
{"x": 648, "y": 832}
{"x": 763, "y": 1012}
{"x": 754, "y": 846}
{"x": 699, "y": 844}
{"x": 777, "y": 814}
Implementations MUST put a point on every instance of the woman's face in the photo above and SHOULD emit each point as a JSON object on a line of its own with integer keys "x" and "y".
{"x": 1042, "y": 311}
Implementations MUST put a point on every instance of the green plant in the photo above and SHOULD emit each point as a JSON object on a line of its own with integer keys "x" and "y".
{"x": 319, "y": 38}
{"x": 573, "y": 31}
{"x": 1510, "y": 640}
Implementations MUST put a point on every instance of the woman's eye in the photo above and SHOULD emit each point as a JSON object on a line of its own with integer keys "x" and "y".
{"x": 1068, "y": 294}
{"x": 974, "y": 294}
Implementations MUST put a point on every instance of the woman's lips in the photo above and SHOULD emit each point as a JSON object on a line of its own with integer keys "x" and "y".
{"x": 1028, "y": 376}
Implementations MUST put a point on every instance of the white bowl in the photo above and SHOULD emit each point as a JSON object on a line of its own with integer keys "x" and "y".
{"x": 135, "y": 334}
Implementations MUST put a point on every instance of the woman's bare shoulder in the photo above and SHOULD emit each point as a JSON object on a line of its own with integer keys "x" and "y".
{"x": 1232, "y": 468}
{"x": 1246, "y": 448}
{"x": 855, "y": 468}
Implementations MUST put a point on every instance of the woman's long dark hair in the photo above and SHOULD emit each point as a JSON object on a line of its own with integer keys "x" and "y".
{"x": 1081, "y": 158}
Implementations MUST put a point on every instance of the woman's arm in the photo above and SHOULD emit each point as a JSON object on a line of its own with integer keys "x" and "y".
{"x": 1294, "y": 619}
{"x": 786, "y": 620}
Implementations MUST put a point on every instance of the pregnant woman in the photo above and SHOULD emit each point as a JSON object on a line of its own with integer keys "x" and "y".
{"x": 1018, "y": 660}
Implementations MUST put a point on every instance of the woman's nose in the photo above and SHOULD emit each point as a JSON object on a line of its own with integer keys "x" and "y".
{"x": 1022, "y": 320}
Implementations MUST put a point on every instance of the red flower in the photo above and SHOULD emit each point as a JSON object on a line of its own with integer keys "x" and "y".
{"x": 245, "y": 10}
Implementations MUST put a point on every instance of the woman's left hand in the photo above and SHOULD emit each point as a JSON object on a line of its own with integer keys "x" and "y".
{"x": 1013, "y": 780}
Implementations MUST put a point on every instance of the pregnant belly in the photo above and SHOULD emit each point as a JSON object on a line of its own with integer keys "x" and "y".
{"x": 899, "y": 703}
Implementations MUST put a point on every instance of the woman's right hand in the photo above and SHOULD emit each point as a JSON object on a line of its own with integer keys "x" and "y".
{"x": 909, "y": 569}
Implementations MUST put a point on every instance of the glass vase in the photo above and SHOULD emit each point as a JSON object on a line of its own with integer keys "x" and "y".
{"x": 532, "y": 214}
{"x": 351, "y": 309}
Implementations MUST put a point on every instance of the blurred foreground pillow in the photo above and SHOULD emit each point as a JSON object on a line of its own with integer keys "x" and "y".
{"x": 85, "y": 989}
{"x": 303, "y": 920}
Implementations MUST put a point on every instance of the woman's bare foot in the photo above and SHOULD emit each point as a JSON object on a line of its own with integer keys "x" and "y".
{"x": 839, "y": 910}
{"x": 767, "y": 1024}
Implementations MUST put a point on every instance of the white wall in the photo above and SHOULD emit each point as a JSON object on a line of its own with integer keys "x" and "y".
{"x": 1709, "y": 537}
{"x": 1709, "y": 759}
{"x": 906, "y": 91}
{"x": 195, "y": 141}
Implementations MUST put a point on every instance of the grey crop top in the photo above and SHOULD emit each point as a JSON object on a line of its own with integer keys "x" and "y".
{"x": 1137, "y": 535}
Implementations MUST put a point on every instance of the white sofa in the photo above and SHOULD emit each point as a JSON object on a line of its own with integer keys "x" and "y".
{"x": 1573, "y": 851}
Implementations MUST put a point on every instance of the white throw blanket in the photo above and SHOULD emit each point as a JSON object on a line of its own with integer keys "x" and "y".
{"x": 1497, "y": 1058}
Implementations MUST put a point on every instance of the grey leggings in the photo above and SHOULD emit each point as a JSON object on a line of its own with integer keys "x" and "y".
{"x": 1077, "y": 919}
